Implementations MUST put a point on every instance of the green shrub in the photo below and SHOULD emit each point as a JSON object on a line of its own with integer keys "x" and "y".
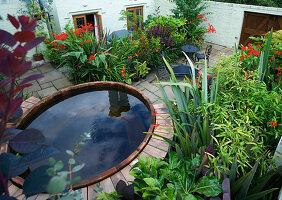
{"x": 173, "y": 179}
{"x": 246, "y": 118}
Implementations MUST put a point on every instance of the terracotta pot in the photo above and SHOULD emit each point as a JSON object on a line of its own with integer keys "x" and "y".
{"x": 37, "y": 57}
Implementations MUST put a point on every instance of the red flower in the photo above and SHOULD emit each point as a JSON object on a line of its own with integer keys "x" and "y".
{"x": 100, "y": 52}
{"x": 199, "y": 74}
{"x": 123, "y": 75}
{"x": 130, "y": 57}
{"x": 104, "y": 53}
{"x": 91, "y": 52}
{"x": 109, "y": 69}
{"x": 258, "y": 46}
{"x": 273, "y": 123}
{"x": 215, "y": 75}
{"x": 157, "y": 50}
{"x": 79, "y": 66}
{"x": 279, "y": 69}
{"x": 81, "y": 43}
{"x": 154, "y": 114}
{"x": 136, "y": 54}
{"x": 240, "y": 59}
{"x": 276, "y": 80}
{"x": 88, "y": 61}
{"x": 115, "y": 53}
{"x": 279, "y": 74}
{"x": 242, "y": 55}
{"x": 122, "y": 71}
{"x": 208, "y": 76}
{"x": 271, "y": 58}
{"x": 256, "y": 53}
{"x": 243, "y": 48}
{"x": 250, "y": 44}
{"x": 156, "y": 124}
{"x": 250, "y": 48}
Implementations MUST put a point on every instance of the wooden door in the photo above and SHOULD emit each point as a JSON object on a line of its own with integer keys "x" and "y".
{"x": 256, "y": 24}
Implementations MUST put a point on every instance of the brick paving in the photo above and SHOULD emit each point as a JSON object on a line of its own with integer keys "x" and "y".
{"x": 55, "y": 80}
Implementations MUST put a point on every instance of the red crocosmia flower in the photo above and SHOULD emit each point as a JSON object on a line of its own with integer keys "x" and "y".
{"x": 104, "y": 53}
{"x": 240, "y": 59}
{"x": 243, "y": 48}
{"x": 79, "y": 66}
{"x": 279, "y": 74}
{"x": 100, "y": 52}
{"x": 279, "y": 68}
{"x": 208, "y": 76}
{"x": 250, "y": 44}
{"x": 271, "y": 58}
{"x": 109, "y": 69}
{"x": 242, "y": 55}
{"x": 276, "y": 52}
{"x": 88, "y": 61}
{"x": 273, "y": 123}
{"x": 157, "y": 50}
{"x": 91, "y": 52}
{"x": 196, "y": 80}
{"x": 250, "y": 48}
{"x": 115, "y": 53}
{"x": 276, "y": 80}
{"x": 99, "y": 38}
{"x": 154, "y": 114}
{"x": 136, "y": 54}
{"x": 258, "y": 46}
{"x": 122, "y": 71}
{"x": 81, "y": 43}
{"x": 256, "y": 53}
{"x": 156, "y": 124}
{"x": 215, "y": 75}
{"x": 130, "y": 57}
{"x": 108, "y": 52}
{"x": 123, "y": 75}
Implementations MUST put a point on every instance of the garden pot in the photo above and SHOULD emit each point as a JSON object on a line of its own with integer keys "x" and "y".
{"x": 37, "y": 57}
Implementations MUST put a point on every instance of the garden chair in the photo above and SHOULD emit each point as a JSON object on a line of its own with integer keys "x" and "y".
{"x": 180, "y": 70}
{"x": 207, "y": 53}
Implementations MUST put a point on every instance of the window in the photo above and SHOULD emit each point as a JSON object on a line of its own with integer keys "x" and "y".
{"x": 94, "y": 19}
{"x": 135, "y": 18}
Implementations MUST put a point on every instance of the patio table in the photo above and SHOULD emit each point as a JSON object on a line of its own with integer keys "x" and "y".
{"x": 190, "y": 50}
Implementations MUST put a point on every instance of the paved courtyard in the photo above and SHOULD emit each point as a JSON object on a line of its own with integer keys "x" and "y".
{"x": 54, "y": 80}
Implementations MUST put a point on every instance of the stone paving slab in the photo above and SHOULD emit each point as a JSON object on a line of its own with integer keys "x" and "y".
{"x": 47, "y": 91}
{"x": 61, "y": 83}
{"x": 51, "y": 76}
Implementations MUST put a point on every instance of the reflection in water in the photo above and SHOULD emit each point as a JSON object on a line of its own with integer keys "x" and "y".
{"x": 115, "y": 120}
{"x": 118, "y": 103}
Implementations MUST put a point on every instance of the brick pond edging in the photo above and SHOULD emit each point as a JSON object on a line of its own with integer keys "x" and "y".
{"x": 156, "y": 147}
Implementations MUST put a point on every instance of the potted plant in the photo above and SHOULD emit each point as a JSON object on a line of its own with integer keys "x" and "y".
{"x": 141, "y": 70}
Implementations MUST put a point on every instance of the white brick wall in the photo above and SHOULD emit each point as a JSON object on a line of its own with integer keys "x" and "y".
{"x": 227, "y": 18}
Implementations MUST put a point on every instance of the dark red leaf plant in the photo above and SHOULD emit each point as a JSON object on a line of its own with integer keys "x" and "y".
{"x": 13, "y": 50}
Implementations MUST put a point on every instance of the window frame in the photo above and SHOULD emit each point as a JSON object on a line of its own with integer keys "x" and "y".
{"x": 135, "y": 20}
{"x": 97, "y": 18}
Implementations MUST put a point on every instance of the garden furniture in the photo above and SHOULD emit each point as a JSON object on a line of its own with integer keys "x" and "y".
{"x": 207, "y": 54}
{"x": 190, "y": 50}
{"x": 178, "y": 69}
{"x": 119, "y": 34}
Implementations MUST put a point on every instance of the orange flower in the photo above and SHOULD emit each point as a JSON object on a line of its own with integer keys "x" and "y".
{"x": 130, "y": 57}
{"x": 122, "y": 71}
{"x": 123, "y": 75}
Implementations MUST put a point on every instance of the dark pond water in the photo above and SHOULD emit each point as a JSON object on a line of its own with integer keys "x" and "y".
{"x": 116, "y": 121}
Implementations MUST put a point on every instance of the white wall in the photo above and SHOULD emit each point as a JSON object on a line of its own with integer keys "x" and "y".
{"x": 227, "y": 18}
{"x": 109, "y": 9}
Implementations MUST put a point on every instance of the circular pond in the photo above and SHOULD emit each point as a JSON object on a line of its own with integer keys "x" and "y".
{"x": 116, "y": 116}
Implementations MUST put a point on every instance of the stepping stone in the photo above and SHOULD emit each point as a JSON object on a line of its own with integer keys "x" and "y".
{"x": 62, "y": 83}
{"x": 46, "y": 92}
